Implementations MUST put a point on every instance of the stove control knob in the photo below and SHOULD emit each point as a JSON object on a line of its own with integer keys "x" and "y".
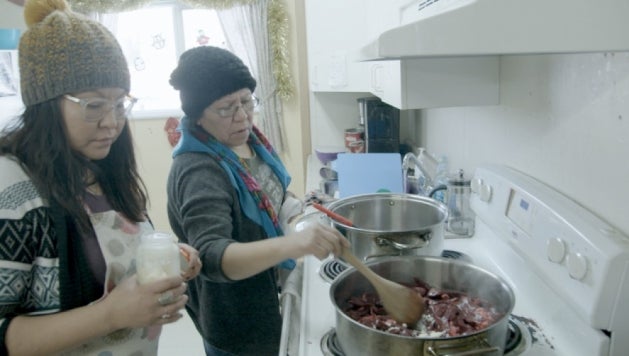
{"x": 556, "y": 250}
{"x": 577, "y": 265}
{"x": 475, "y": 184}
{"x": 485, "y": 192}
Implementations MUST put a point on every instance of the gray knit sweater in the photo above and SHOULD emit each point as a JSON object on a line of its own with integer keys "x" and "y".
{"x": 241, "y": 317}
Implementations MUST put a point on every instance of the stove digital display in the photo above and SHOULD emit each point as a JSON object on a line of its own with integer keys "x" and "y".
{"x": 524, "y": 204}
{"x": 519, "y": 210}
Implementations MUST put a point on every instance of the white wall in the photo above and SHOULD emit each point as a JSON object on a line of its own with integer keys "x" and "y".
{"x": 11, "y": 16}
{"x": 563, "y": 119}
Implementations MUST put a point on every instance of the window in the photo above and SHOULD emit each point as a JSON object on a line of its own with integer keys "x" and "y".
{"x": 152, "y": 39}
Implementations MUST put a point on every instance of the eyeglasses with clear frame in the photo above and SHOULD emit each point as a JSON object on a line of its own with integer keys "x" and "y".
{"x": 94, "y": 109}
{"x": 247, "y": 105}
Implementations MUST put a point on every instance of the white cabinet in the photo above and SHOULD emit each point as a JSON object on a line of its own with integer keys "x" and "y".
{"x": 432, "y": 28}
{"x": 418, "y": 83}
{"x": 337, "y": 71}
{"x": 334, "y": 30}
{"x": 382, "y": 15}
{"x": 437, "y": 82}
{"x": 379, "y": 73}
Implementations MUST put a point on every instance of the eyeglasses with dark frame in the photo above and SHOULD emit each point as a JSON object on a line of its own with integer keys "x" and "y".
{"x": 94, "y": 109}
{"x": 247, "y": 105}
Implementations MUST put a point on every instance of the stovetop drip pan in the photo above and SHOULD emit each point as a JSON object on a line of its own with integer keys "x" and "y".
{"x": 330, "y": 269}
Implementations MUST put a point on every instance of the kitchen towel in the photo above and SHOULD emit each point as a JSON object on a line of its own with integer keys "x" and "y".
{"x": 363, "y": 173}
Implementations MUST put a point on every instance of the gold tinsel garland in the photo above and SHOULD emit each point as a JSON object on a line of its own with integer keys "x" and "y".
{"x": 278, "y": 28}
{"x": 277, "y": 25}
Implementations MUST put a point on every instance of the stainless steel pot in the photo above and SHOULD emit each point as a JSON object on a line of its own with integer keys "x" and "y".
{"x": 390, "y": 224}
{"x": 446, "y": 274}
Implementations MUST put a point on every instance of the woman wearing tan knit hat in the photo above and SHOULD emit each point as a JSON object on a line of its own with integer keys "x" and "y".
{"x": 72, "y": 205}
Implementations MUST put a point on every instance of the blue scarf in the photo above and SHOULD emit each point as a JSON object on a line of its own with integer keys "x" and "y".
{"x": 254, "y": 202}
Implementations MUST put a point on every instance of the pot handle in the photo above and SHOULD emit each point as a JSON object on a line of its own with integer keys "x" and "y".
{"x": 483, "y": 350}
{"x": 418, "y": 241}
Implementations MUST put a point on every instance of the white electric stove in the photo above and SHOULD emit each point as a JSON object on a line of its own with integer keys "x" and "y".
{"x": 568, "y": 269}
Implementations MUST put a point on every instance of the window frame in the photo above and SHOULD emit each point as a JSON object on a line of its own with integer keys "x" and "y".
{"x": 176, "y": 8}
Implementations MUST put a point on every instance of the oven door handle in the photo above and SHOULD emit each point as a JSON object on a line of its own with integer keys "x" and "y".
{"x": 291, "y": 302}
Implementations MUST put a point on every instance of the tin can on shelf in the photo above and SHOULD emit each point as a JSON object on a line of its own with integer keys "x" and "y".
{"x": 354, "y": 139}
{"x": 357, "y": 146}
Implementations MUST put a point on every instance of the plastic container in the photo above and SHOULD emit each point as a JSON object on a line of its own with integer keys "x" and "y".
{"x": 157, "y": 257}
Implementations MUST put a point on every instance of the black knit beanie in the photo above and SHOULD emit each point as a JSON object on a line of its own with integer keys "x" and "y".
{"x": 206, "y": 74}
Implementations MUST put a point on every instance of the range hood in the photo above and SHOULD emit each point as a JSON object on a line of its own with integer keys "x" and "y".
{"x": 435, "y": 28}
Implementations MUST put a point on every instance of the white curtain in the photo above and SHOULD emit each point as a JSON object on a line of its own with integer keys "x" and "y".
{"x": 245, "y": 29}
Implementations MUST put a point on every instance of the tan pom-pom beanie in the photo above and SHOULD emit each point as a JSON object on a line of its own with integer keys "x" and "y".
{"x": 64, "y": 52}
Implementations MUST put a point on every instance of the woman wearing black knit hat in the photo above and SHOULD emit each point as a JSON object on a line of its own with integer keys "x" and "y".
{"x": 72, "y": 206}
{"x": 227, "y": 197}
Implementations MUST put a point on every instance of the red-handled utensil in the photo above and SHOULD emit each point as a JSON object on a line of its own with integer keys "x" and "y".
{"x": 334, "y": 216}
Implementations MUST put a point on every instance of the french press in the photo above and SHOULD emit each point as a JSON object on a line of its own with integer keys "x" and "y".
{"x": 457, "y": 198}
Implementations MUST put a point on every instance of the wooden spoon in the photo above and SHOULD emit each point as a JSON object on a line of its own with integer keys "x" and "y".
{"x": 402, "y": 303}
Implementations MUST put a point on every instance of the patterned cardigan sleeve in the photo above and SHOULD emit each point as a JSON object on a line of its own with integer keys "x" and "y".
{"x": 29, "y": 282}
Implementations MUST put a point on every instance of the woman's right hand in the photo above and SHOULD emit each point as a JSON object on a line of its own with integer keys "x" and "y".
{"x": 156, "y": 303}
{"x": 322, "y": 240}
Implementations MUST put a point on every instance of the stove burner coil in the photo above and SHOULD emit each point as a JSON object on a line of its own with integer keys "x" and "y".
{"x": 514, "y": 336}
{"x": 456, "y": 255}
{"x": 330, "y": 344}
{"x": 330, "y": 269}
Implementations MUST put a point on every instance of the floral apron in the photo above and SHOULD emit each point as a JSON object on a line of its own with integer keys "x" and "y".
{"x": 119, "y": 239}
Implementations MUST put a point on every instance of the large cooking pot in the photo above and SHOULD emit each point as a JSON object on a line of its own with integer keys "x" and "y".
{"x": 390, "y": 224}
{"x": 441, "y": 273}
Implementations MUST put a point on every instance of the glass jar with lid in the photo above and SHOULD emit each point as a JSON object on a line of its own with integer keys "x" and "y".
{"x": 157, "y": 257}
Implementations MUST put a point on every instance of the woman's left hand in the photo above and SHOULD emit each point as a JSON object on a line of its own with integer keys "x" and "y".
{"x": 194, "y": 264}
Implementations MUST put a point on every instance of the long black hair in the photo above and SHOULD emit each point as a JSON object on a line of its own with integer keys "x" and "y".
{"x": 39, "y": 140}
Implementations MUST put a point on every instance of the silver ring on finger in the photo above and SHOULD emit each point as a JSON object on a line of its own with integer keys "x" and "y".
{"x": 166, "y": 298}
{"x": 165, "y": 316}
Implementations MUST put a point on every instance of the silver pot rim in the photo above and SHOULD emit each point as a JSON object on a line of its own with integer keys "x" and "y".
{"x": 394, "y": 197}
{"x": 392, "y": 259}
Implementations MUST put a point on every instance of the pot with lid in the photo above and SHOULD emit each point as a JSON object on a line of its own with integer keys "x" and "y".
{"x": 392, "y": 224}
